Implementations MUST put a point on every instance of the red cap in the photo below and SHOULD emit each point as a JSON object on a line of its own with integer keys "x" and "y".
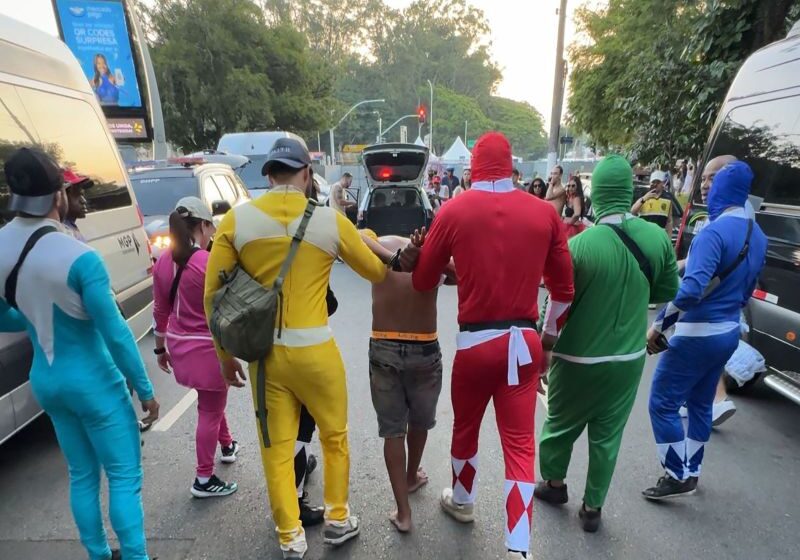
{"x": 491, "y": 158}
{"x": 71, "y": 178}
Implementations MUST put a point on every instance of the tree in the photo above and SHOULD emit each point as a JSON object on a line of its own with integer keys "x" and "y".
{"x": 214, "y": 86}
{"x": 521, "y": 123}
{"x": 653, "y": 73}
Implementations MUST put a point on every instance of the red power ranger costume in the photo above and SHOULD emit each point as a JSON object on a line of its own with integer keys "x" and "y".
{"x": 503, "y": 242}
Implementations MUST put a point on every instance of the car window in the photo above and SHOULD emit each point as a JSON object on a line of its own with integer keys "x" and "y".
{"x": 157, "y": 196}
{"x": 251, "y": 175}
{"x": 75, "y": 134}
{"x": 226, "y": 189}
{"x": 766, "y": 136}
{"x": 210, "y": 191}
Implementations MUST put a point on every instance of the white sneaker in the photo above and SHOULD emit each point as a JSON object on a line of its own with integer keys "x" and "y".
{"x": 722, "y": 411}
{"x": 295, "y": 549}
{"x": 463, "y": 513}
{"x": 339, "y": 532}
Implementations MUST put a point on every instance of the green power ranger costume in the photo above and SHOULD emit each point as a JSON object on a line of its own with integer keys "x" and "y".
{"x": 599, "y": 357}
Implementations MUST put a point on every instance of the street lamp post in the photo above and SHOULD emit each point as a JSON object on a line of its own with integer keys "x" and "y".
{"x": 430, "y": 115}
{"x": 395, "y": 123}
{"x": 347, "y": 114}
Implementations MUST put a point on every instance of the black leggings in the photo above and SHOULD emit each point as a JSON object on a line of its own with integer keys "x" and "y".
{"x": 304, "y": 435}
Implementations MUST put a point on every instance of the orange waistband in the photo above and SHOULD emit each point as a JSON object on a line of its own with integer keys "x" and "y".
{"x": 413, "y": 337}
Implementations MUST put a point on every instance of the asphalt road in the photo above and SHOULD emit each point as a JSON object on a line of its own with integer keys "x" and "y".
{"x": 747, "y": 506}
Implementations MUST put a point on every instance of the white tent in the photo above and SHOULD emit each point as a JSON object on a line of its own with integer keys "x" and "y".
{"x": 458, "y": 153}
{"x": 419, "y": 141}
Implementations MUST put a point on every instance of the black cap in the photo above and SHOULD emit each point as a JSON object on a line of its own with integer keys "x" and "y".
{"x": 287, "y": 151}
{"x": 33, "y": 178}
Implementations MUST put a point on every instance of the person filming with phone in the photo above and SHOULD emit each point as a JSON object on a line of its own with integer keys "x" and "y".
{"x": 656, "y": 205}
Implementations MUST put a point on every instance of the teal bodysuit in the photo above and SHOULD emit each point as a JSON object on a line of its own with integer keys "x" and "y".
{"x": 83, "y": 352}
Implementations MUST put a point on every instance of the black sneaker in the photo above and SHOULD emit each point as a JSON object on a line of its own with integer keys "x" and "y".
{"x": 229, "y": 453}
{"x": 213, "y": 488}
{"x": 311, "y": 464}
{"x": 590, "y": 519}
{"x": 668, "y": 487}
{"x": 556, "y": 495}
{"x": 310, "y": 515}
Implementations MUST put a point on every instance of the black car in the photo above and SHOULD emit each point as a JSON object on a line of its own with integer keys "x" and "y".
{"x": 759, "y": 123}
{"x": 396, "y": 203}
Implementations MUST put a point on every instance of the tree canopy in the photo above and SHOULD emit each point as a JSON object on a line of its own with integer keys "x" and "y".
{"x": 649, "y": 75}
{"x": 301, "y": 64}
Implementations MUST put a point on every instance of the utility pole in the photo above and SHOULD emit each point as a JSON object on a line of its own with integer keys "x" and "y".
{"x": 558, "y": 90}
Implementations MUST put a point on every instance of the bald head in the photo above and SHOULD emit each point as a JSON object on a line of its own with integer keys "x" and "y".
{"x": 712, "y": 168}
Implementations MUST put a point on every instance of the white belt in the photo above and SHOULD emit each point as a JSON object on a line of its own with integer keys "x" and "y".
{"x": 518, "y": 352}
{"x": 294, "y": 338}
{"x": 704, "y": 329}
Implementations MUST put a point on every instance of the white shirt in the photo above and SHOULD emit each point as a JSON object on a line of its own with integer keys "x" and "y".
{"x": 337, "y": 190}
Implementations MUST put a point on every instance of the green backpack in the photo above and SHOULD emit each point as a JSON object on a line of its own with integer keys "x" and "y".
{"x": 245, "y": 313}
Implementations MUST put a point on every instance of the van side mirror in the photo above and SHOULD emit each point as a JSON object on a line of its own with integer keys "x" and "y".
{"x": 220, "y": 207}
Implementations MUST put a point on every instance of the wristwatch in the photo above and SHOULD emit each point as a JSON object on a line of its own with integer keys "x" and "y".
{"x": 159, "y": 351}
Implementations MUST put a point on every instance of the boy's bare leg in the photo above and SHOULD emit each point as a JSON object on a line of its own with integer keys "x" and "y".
{"x": 394, "y": 453}
{"x": 415, "y": 476}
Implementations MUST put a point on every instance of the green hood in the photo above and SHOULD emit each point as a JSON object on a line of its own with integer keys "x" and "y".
{"x": 612, "y": 186}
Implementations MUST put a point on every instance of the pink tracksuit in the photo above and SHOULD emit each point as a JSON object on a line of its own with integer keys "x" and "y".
{"x": 194, "y": 361}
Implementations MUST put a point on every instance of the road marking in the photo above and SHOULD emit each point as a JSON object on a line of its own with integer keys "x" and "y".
{"x": 175, "y": 412}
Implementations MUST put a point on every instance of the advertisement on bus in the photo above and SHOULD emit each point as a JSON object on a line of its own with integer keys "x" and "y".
{"x": 96, "y": 31}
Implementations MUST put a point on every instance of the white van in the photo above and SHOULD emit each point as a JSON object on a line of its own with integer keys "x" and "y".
{"x": 256, "y": 146}
{"x": 46, "y": 101}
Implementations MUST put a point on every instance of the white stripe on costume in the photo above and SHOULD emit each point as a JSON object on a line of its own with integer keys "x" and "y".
{"x": 518, "y": 352}
{"x": 465, "y": 491}
{"x": 555, "y": 309}
{"x": 295, "y": 338}
{"x": 704, "y": 329}
{"x": 600, "y": 359}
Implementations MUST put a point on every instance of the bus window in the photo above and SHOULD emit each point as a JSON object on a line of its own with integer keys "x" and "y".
{"x": 15, "y": 132}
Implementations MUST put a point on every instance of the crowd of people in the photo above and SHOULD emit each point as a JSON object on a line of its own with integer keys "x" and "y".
{"x": 284, "y": 244}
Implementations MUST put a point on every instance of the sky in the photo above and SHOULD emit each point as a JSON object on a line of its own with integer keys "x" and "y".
{"x": 523, "y": 41}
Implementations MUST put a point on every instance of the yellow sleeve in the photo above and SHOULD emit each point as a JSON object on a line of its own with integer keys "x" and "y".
{"x": 355, "y": 252}
{"x": 223, "y": 257}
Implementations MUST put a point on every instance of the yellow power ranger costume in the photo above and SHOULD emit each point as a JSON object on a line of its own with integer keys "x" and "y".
{"x": 305, "y": 366}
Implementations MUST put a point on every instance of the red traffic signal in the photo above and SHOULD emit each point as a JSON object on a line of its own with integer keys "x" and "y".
{"x": 422, "y": 114}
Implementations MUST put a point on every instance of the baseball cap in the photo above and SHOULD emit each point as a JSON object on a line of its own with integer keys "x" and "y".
{"x": 287, "y": 151}
{"x": 193, "y": 207}
{"x": 658, "y": 176}
{"x": 33, "y": 178}
{"x": 71, "y": 179}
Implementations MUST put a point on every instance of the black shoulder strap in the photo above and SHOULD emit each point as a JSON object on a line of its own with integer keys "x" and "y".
{"x": 741, "y": 256}
{"x": 644, "y": 264}
{"x": 173, "y": 291}
{"x": 11, "y": 281}
{"x": 717, "y": 280}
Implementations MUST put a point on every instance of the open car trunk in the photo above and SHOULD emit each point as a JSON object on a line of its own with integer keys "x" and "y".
{"x": 395, "y": 164}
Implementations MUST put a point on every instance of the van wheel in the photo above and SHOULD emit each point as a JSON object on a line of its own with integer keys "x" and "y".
{"x": 733, "y": 387}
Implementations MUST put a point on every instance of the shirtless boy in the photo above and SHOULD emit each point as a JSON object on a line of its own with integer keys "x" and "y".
{"x": 405, "y": 369}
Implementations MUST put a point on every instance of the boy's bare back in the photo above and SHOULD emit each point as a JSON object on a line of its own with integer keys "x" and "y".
{"x": 396, "y": 306}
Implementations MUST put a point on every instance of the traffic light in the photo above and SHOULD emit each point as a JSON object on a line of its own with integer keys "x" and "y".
{"x": 422, "y": 114}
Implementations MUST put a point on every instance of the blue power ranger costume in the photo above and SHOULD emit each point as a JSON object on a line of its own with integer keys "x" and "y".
{"x": 724, "y": 262}
{"x": 83, "y": 352}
